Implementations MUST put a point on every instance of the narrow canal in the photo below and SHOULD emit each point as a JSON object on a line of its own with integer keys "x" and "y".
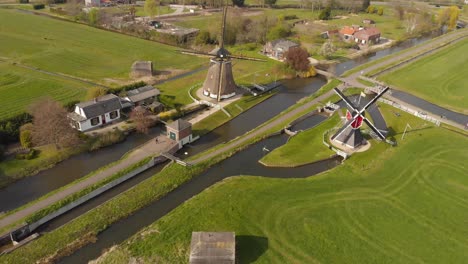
{"x": 32, "y": 187}
{"x": 246, "y": 159}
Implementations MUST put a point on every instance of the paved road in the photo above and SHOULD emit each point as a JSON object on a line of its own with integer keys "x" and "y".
{"x": 152, "y": 148}
{"x": 440, "y": 113}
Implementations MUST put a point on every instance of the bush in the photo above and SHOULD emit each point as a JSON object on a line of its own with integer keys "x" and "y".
{"x": 203, "y": 37}
{"x": 125, "y": 88}
{"x": 279, "y": 31}
{"x": 26, "y": 138}
{"x": 380, "y": 11}
{"x": 9, "y": 128}
{"x": 325, "y": 14}
{"x": 371, "y": 9}
{"x": 38, "y": 6}
{"x": 28, "y": 156}
{"x": 23, "y": 1}
{"x": 2, "y": 151}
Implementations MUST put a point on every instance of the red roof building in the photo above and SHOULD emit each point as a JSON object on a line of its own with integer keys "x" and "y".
{"x": 367, "y": 36}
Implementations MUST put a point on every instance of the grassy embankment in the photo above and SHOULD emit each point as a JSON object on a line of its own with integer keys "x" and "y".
{"x": 84, "y": 229}
{"x": 306, "y": 147}
{"x": 439, "y": 78}
{"x": 70, "y": 49}
{"x": 15, "y": 169}
{"x": 390, "y": 204}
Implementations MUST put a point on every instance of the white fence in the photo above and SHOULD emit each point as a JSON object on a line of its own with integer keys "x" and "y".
{"x": 417, "y": 113}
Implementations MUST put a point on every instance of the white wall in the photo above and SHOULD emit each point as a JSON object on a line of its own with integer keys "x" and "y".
{"x": 86, "y": 125}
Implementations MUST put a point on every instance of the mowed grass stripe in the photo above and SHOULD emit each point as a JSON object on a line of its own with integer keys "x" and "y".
{"x": 19, "y": 87}
{"x": 439, "y": 78}
{"x": 81, "y": 50}
{"x": 388, "y": 205}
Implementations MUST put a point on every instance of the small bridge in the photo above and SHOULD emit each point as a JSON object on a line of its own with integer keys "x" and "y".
{"x": 325, "y": 73}
{"x": 176, "y": 159}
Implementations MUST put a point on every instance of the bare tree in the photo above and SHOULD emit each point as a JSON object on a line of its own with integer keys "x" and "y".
{"x": 327, "y": 49}
{"x": 142, "y": 119}
{"x": 298, "y": 59}
{"x": 50, "y": 125}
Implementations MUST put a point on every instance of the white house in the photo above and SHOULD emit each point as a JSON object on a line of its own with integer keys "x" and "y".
{"x": 100, "y": 111}
{"x": 92, "y": 3}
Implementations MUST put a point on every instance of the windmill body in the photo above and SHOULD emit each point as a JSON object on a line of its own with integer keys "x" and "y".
{"x": 349, "y": 134}
{"x": 219, "y": 83}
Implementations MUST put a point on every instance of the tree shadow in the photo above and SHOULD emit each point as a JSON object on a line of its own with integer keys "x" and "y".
{"x": 250, "y": 248}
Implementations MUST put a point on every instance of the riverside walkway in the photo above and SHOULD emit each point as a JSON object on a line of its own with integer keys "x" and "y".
{"x": 150, "y": 149}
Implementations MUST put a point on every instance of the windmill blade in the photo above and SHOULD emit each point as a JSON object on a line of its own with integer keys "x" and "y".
{"x": 381, "y": 136}
{"x": 374, "y": 99}
{"x": 342, "y": 129}
{"x": 197, "y": 53}
{"x": 246, "y": 58}
{"x": 223, "y": 27}
{"x": 345, "y": 99}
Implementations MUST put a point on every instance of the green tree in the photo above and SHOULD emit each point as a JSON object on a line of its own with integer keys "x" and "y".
{"x": 365, "y": 4}
{"x": 151, "y": 7}
{"x": 238, "y": 2}
{"x": 325, "y": 14}
{"x": 203, "y": 37}
{"x": 370, "y": 9}
{"x": 93, "y": 16}
{"x": 280, "y": 30}
{"x": 95, "y": 92}
{"x": 380, "y": 11}
{"x": 454, "y": 12}
{"x": 327, "y": 49}
{"x": 270, "y": 2}
{"x": 26, "y": 139}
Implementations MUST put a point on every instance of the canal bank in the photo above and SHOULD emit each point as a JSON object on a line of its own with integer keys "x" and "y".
{"x": 301, "y": 96}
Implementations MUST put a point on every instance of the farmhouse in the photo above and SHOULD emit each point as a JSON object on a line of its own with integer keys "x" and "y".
{"x": 142, "y": 69}
{"x": 180, "y": 131}
{"x": 100, "y": 111}
{"x": 367, "y": 36}
{"x": 347, "y": 33}
{"x": 278, "y": 48}
{"x": 213, "y": 247}
{"x": 92, "y": 3}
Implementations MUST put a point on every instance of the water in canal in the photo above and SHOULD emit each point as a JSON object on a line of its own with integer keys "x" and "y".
{"x": 30, "y": 188}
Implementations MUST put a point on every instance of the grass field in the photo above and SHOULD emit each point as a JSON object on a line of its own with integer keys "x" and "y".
{"x": 439, "y": 78}
{"x": 409, "y": 205}
{"x": 306, "y": 147}
{"x": 80, "y": 50}
{"x": 20, "y": 87}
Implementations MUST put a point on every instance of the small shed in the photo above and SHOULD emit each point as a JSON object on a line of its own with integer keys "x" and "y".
{"x": 142, "y": 69}
{"x": 180, "y": 131}
{"x": 145, "y": 95}
{"x": 213, "y": 247}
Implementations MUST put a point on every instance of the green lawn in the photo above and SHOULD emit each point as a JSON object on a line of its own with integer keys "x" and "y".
{"x": 20, "y": 87}
{"x": 306, "y": 147}
{"x": 439, "y": 78}
{"x": 81, "y": 50}
{"x": 404, "y": 204}
{"x": 14, "y": 169}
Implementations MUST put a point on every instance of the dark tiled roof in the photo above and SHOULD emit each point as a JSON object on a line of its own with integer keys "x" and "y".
{"x": 142, "y": 93}
{"x": 366, "y": 33}
{"x": 213, "y": 247}
{"x": 179, "y": 124}
{"x": 283, "y": 44}
{"x": 100, "y": 105}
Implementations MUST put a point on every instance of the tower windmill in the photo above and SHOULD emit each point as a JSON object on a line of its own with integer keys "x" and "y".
{"x": 219, "y": 83}
{"x": 349, "y": 134}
